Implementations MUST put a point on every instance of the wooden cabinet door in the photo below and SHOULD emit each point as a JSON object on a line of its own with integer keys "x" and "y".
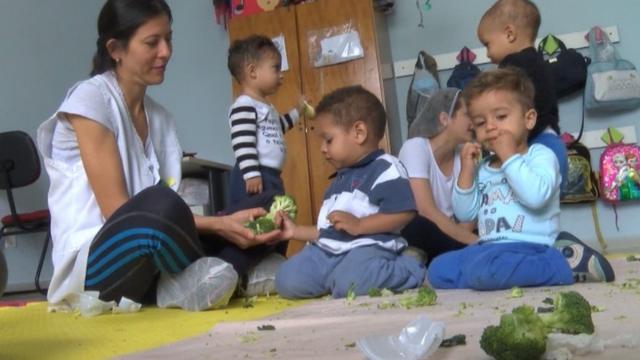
{"x": 317, "y": 82}
{"x": 295, "y": 173}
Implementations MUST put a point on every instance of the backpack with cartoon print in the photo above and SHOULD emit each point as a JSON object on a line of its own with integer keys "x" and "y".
{"x": 619, "y": 169}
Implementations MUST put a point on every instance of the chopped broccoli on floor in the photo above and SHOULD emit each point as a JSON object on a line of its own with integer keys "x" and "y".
{"x": 523, "y": 333}
{"x": 351, "y": 293}
{"x": 571, "y": 314}
{"x": 516, "y": 292}
{"x": 425, "y": 297}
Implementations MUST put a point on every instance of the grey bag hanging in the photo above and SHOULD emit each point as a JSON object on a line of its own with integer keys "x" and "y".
{"x": 424, "y": 82}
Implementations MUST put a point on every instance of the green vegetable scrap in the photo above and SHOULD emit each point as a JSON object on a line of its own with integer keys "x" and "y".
{"x": 523, "y": 333}
{"x": 375, "y": 292}
{"x": 516, "y": 292}
{"x": 425, "y": 297}
{"x": 266, "y": 223}
{"x": 351, "y": 293}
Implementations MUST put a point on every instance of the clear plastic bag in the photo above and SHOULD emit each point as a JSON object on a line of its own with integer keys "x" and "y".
{"x": 207, "y": 283}
{"x": 418, "y": 340}
{"x": 334, "y": 45}
{"x": 89, "y": 305}
{"x": 261, "y": 280}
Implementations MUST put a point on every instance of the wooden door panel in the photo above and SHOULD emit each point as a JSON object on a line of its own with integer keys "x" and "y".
{"x": 295, "y": 172}
{"x": 317, "y": 82}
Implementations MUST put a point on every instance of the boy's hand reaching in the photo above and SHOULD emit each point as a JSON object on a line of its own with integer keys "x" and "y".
{"x": 344, "y": 221}
{"x": 287, "y": 226}
{"x": 254, "y": 185}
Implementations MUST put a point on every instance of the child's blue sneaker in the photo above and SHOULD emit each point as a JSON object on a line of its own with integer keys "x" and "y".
{"x": 586, "y": 263}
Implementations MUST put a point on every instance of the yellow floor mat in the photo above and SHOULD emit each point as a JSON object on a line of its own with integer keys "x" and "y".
{"x": 30, "y": 332}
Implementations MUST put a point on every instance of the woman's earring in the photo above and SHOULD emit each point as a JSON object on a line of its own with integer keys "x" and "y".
{"x": 118, "y": 61}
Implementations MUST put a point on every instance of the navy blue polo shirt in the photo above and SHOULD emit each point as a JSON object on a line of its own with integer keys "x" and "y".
{"x": 376, "y": 184}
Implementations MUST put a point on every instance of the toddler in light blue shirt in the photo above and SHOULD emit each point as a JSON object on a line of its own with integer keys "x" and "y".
{"x": 514, "y": 194}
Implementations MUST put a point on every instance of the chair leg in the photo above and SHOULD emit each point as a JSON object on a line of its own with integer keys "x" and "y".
{"x": 43, "y": 254}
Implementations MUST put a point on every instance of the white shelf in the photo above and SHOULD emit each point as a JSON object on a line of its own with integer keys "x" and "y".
{"x": 446, "y": 61}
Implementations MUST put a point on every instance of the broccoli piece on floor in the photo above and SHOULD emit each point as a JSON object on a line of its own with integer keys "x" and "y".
{"x": 426, "y": 296}
{"x": 516, "y": 292}
{"x": 571, "y": 314}
{"x": 521, "y": 335}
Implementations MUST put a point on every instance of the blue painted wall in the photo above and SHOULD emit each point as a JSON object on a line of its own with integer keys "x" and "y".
{"x": 47, "y": 46}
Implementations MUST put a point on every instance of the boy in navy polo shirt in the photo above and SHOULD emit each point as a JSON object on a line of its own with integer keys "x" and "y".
{"x": 356, "y": 244}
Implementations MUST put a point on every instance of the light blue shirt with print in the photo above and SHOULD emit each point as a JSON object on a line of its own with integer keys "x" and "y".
{"x": 520, "y": 201}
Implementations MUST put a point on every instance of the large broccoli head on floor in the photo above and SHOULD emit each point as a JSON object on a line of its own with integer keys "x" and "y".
{"x": 523, "y": 334}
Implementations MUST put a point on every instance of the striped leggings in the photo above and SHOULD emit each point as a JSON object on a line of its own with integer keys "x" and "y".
{"x": 152, "y": 232}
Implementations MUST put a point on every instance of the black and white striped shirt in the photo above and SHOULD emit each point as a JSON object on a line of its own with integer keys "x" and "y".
{"x": 257, "y": 135}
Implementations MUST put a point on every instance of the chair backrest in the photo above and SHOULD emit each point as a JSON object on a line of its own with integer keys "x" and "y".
{"x": 19, "y": 161}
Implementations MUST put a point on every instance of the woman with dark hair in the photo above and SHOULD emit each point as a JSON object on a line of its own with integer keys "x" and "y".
{"x": 114, "y": 161}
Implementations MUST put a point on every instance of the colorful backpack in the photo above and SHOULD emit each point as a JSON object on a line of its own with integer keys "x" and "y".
{"x": 619, "y": 169}
{"x": 581, "y": 184}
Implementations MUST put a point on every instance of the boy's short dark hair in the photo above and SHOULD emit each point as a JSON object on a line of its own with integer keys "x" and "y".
{"x": 522, "y": 13}
{"x": 354, "y": 103}
{"x": 248, "y": 50}
{"x": 509, "y": 79}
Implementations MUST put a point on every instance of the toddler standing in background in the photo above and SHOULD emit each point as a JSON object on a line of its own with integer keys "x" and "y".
{"x": 257, "y": 130}
{"x": 508, "y": 30}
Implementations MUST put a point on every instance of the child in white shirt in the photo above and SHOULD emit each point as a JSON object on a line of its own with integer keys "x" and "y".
{"x": 257, "y": 130}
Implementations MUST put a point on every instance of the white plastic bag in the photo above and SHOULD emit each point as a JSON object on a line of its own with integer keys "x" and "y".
{"x": 418, "y": 340}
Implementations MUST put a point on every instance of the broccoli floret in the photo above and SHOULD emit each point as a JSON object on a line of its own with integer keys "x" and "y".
{"x": 571, "y": 314}
{"x": 261, "y": 225}
{"x": 284, "y": 203}
{"x": 521, "y": 335}
{"x": 266, "y": 223}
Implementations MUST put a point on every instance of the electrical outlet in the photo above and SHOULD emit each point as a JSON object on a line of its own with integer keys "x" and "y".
{"x": 9, "y": 241}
